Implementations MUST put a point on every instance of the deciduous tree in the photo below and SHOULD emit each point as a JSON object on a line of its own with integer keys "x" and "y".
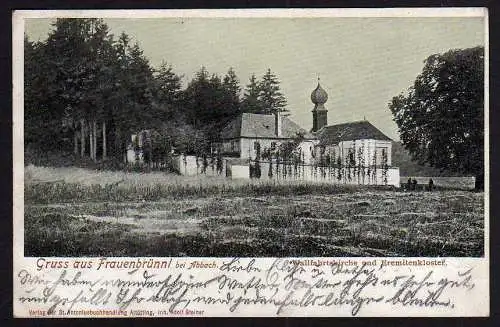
{"x": 441, "y": 117}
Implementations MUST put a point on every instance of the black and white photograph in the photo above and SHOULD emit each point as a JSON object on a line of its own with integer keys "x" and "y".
{"x": 254, "y": 136}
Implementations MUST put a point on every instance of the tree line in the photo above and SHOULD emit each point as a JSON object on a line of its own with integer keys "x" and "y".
{"x": 87, "y": 92}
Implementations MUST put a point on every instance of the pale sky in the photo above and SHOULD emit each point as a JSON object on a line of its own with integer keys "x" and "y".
{"x": 362, "y": 62}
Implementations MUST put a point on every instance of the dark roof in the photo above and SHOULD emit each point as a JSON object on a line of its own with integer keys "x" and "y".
{"x": 260, "y": 125}
{"x": 359, "y": 130}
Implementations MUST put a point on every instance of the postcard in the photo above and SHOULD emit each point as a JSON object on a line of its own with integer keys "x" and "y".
{"x": 279, "y": 163}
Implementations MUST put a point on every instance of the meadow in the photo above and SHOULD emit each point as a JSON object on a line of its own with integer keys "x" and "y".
{"x": 80, "y": 212}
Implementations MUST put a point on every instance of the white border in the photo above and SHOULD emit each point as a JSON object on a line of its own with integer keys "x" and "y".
{"x": 19, "y": 16}
{"x": 259, "y": 13}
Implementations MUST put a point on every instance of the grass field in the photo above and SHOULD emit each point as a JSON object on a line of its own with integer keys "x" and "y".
{"x": 77, "y": 212}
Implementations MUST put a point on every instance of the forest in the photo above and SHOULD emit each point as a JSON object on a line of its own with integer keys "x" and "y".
{"x": 87, "y": 91}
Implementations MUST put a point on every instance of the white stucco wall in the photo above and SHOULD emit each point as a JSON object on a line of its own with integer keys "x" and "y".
{"x": 191, "y": 166}
{"x": 370, "y": 148}
{"x": 247, "y": 146}
{"x": 306, "y": 147}
{"x": 240, "y": 171}
{"x": 309, "y": 173}
{"x": 325, "y": 175}
{"x": 393, "y": 177}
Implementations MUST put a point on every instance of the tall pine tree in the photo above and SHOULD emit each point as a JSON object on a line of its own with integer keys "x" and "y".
{"x": 168, "y": 85}
{"x": 270, "y": 96}
{"x": 210, "y": 102}
{"x": 232, "y": 89}
{"x": 251, "y": 102}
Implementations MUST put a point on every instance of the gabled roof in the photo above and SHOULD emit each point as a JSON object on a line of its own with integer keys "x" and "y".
{"x": 262, "y": 126}
{"x": 358, "y": 130}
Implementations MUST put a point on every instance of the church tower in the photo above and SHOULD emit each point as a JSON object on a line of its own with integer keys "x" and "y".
{"x": 320, "y": 114}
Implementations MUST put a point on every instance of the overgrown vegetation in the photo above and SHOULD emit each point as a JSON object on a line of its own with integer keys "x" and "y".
{"x": 67, "y": 192}
{"x": 209, "y": 217}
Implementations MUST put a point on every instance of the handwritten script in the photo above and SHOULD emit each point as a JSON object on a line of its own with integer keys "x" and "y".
{"x": 235, "y": 285}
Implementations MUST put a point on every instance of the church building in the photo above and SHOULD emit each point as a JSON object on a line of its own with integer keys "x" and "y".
{"x": 357, "y": 146}
{"x": 248, "y": 133}
{"x": 351, "y": 142}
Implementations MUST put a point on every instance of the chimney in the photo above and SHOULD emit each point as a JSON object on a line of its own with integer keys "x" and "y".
{"x": 278, "y": 121}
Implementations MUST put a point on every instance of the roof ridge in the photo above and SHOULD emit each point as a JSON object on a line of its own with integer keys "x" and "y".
{"x": 352, "y": 122}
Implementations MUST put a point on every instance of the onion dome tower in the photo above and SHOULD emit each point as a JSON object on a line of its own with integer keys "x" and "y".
{"x": 320, "y": 114}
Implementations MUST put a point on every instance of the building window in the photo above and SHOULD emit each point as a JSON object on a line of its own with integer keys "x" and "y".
{"x": 351, "y": 157}
{"x": 380, "y": 153}
{"x": 256, "y": 148}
